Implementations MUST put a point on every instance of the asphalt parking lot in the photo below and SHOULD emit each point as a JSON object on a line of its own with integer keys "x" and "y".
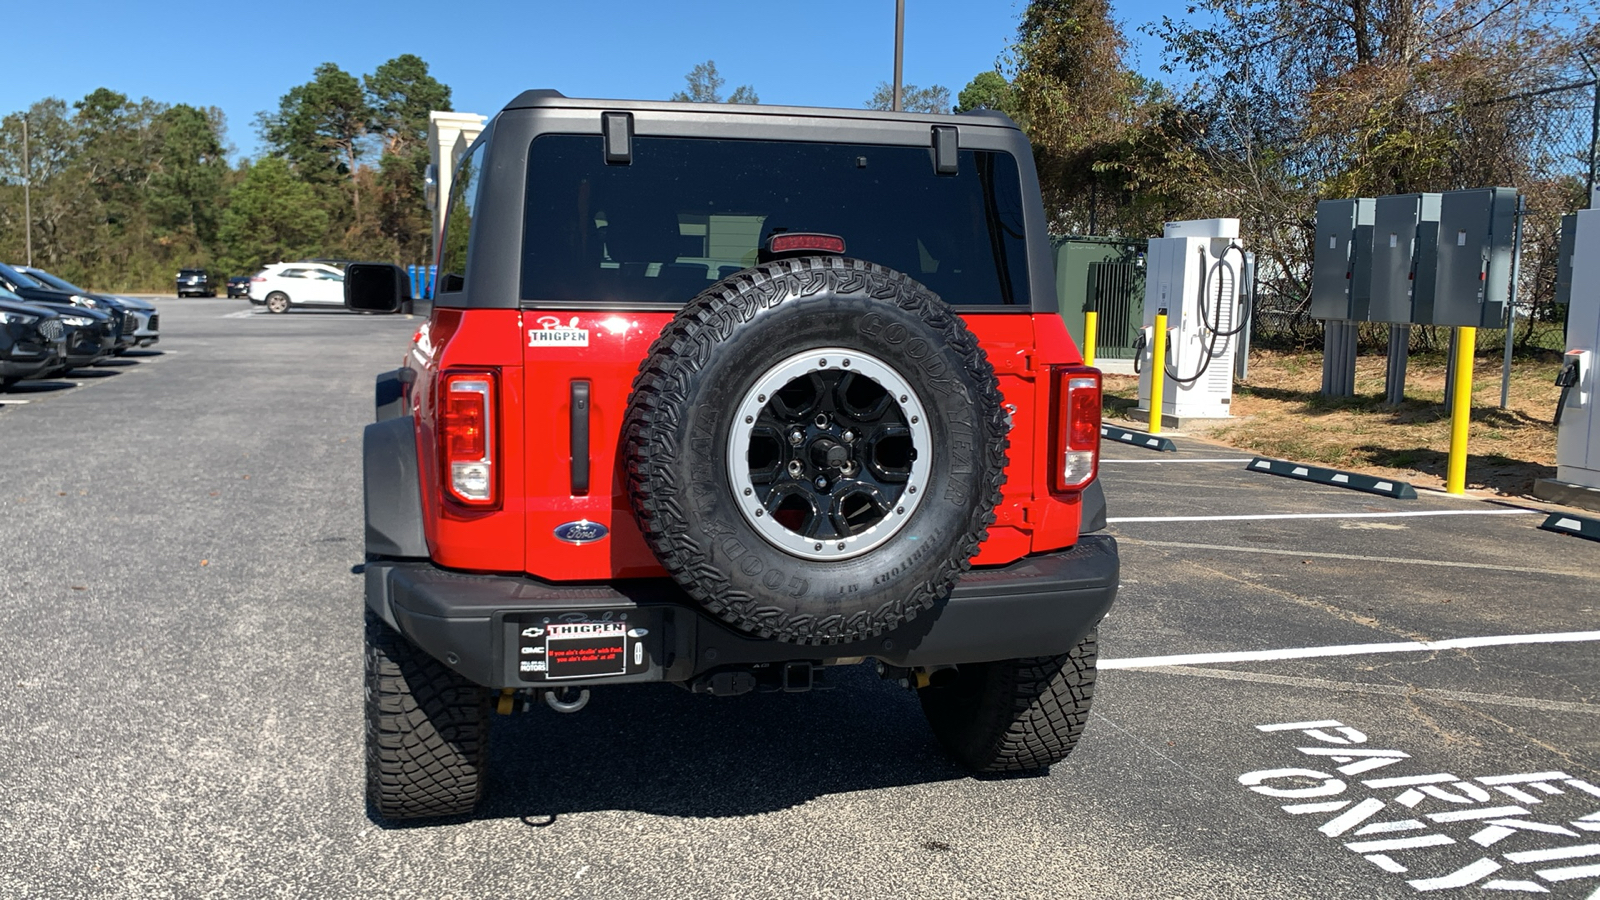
{"x": 180, "y": 643}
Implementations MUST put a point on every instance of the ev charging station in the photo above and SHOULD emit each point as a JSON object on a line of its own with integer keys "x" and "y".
{"x": 1577, "y": 478}
{"x": 1196, "y": 274}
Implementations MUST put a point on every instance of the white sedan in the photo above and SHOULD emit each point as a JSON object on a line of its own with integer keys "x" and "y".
{"x": 282, "y": 285}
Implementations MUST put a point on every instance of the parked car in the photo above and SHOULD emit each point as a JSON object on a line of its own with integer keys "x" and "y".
{"x": 33, "y": 341}
{"x": 239, "y": 286}
{"x": 282, "y": 285}
{"x": 195, "y": 283}
{"x": 141, "y": 323}
{"x": 629, "y": 446}
{"x": 107, "y": 319}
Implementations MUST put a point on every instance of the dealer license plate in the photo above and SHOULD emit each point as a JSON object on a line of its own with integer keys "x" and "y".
{"x": 585, "y": 649}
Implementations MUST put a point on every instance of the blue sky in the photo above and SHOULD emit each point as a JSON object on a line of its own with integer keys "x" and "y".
{"x": 243, "y": 57}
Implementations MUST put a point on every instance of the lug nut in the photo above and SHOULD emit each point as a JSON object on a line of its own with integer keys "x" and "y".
{"x": 848, "y": 436}
{"x": 796, "y": 468}
{"x": 821, "y": 483}
{"x": 821, "y": 420}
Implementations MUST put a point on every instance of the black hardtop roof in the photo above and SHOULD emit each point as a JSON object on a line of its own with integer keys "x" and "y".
{"x": 545, "y": 98}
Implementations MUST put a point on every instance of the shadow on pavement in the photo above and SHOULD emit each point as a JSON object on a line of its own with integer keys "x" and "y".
{"x": 39, "y": 387}
{"x": 659, "y": 749}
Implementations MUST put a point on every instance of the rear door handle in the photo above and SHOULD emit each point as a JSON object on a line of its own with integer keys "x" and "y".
{"x": 580, "y": 437}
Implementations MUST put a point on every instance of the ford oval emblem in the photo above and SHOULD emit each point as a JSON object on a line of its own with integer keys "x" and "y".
{"x": 582, "y": 531}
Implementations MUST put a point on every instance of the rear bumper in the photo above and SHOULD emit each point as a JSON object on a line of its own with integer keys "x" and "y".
{"x": 476, "y": 624}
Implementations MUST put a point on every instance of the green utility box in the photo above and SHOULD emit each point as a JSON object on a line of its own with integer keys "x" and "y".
{"x": 1107, "y": 275}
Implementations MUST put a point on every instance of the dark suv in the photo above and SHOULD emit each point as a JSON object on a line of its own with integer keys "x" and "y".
{"x": 195, "y": 283}
{"x": 726, "y": 397}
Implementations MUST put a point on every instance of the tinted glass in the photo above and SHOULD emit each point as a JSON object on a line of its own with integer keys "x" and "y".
{"x": 458, "y": 223}
{"x": 13, "y": 277}
{"x": 687, "y": 212}
{"x": 59, "y": 284}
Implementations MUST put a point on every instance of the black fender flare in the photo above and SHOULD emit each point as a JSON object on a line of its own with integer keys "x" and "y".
{"x": 392, "y": 490}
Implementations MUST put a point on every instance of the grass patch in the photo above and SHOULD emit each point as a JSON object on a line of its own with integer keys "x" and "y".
{"x": 1280, "y": 412}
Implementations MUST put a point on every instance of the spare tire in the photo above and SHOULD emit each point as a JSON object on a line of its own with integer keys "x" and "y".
{"x": 815, "y": 448}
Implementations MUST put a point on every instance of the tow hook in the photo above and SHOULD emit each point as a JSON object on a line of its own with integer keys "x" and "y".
{"x": 566, "y": 699}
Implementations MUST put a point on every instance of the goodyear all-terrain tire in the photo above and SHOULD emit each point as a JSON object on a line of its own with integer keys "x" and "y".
{"x": 1014, "y": 715}
{"x": 427, "y": 731}
{"x": 815, "y": 448}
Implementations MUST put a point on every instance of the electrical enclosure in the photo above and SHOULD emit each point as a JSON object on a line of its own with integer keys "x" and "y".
{"x": 1405, "y": 229}
{"x": 1106, "y": 275}
{"x": 1341, "y": 270}
{"x": 1569, "y": 233}
{"x": 1472, "y": 268}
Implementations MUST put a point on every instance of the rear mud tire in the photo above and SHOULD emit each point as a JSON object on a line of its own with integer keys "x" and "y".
{"x": 427, "y": 731}
{"x": 689, "y": 405}
{"x": 1015, "y": 715}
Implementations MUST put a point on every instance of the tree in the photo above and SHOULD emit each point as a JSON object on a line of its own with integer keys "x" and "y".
{"x": 190, "y": 171}
{"x": 935, "y": 99}
{"x": 705, "y": 86}
{"x": 319, "y": 128}
{"x": 987, "y": 90}
{"x": 271, "y": 216}
{"x": 400, "y": 94}
{"x": 1076, "y": 98}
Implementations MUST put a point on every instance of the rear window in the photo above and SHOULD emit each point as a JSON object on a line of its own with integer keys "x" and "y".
{"x": 689, "y": 211}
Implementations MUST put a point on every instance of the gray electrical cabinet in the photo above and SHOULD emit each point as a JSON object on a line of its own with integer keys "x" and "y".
{"x": 1569, "y": 236}
{"x": 1472, "y": 284}
{"x": 1405, "y": 230}
{"x": 1341, "y": 269}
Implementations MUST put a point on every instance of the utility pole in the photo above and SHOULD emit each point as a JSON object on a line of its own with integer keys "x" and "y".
{"x": 899, "y": 53}
{"x": 27, "y": 189}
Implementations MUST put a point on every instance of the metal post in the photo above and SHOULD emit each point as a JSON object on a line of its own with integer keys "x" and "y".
{"x": 899, "y": 53}
{"x": 1511, "y": 312}
{"x": 1158, "y": 369}
{"x": 1399, "y": 351}
{"x": 1594, "y": 131}
{"x": 1460, "y": 410}
{"x": 27, "y": 190}
{"x": 1091, "y": 331}
{"x": 1339, "y": 338}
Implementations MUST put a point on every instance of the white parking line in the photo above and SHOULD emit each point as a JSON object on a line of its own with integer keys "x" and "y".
{"x": 1391, "y": 690}
{"x": 1176, "y": 460}
{"x": 1196, "y": 659}
{"x": 1356, "y": 557}
{"x": 1377, "y": 515}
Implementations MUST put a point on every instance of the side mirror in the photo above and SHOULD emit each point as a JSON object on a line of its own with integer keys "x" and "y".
{"x": 376, "y": 287}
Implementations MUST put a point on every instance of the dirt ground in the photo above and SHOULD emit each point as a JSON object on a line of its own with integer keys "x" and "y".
{"x": 1280, "y": 412}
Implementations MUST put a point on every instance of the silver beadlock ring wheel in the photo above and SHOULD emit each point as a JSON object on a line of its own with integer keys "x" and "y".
{"x": 829, "y": 454}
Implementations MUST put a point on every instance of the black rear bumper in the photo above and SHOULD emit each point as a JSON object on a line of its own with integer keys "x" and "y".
{"x": 479, "y": 624}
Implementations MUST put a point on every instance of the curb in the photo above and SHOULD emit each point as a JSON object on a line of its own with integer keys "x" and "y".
{"x": 1138, "y": 439}
{"x": 1386, "y": 487}
{"x": 1577, "y": 526}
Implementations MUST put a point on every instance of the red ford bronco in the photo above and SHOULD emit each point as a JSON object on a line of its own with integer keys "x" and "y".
{"x": 725, "y": 396}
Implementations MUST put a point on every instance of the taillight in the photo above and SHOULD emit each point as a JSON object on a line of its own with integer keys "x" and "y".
{"x": 1075, "y": 450}
{"x": 466, "y": 437}
{"x": 258, "y": 278}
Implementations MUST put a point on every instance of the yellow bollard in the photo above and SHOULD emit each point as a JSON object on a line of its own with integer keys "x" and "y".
{"x": 1461, "y": 410}
{"x": 1091, "y": 324}
{"x": 1158, "y": 370}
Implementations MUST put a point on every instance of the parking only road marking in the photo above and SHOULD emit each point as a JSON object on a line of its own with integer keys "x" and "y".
{"x": 1461, "y": 818}
{"x": 1356, "y": 557}
{"x": 1377, "y": 515}
{"x": 1193, "y": 659}
{"x": 1174, "y": 460}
